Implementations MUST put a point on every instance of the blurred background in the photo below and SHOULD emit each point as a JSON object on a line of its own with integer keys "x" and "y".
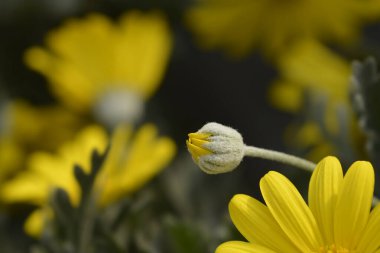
{"x": 280, "y": 72}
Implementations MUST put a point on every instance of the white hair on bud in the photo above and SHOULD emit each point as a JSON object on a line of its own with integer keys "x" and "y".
{"x": 226, "y": 145}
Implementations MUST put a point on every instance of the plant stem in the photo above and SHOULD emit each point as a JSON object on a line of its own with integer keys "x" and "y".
{"x": 279, "y": 157}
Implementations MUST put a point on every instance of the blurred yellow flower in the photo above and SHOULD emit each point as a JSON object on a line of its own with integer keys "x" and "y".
{"x": 23, "y": 126}
{"x": 337, "y": 219}
{"x": 310, "y": 66}
{"x": 273, "y": 25}
{"x": 11, "y": 157}
{"x": 310, "y": 73}
{"x": 132, "y": 160}
{"x": 29, "y": 124}
{"x": 89, "y": 60}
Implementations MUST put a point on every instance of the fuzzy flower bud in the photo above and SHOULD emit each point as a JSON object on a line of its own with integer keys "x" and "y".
{"x": 216, "y": 148}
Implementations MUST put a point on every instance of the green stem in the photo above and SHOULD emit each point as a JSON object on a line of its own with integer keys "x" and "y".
{"x": 279, "y": 157}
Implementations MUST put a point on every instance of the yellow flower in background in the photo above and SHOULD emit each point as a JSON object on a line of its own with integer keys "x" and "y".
{"x": 272, "y": 26}
{"x": 132, "y": 160}
{"x": 310, "y": 66}
{"x": 110, "y": 68}
{"x": 311, "y": 74}
{"x": 45, "y": 171}
{"x": 11, "y": 158}
{"x": 28, "y": 124}
{"x": 25, "y": 128}
{"x": 338, "y": 217}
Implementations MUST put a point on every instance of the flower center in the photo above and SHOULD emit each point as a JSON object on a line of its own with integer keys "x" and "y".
{"x": 118, "y": 105}
{"x": 334, "y": 249}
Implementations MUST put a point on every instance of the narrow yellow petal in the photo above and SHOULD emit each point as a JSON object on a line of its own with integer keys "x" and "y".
{"x": 130, "y": 167}
{"x": 112, "y": 165}
{"x": 354, "y": 204}
{"x": 200, "y": 136}
{"x": 35, "y": 222}
{"x": 324, "y": 187}
{"x": 242, "y": 247}
{"x": 198, "y": 142}
{"x": 26, "y": 187}
{"x": 144, "y": 44}
{"x": 196, "y": 151}
{"x": 370, "y": 240}
{"x": 257, "y": 225}
{"x": 290, "y": 211}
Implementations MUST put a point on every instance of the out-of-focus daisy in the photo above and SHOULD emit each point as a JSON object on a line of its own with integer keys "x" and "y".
{"x": 11, "y": 157}
{"x": 28, "y": 124}
{"x": 132, "y": 160}
{"x": 310, "y": 66}
{"x": 274, "y": 25}
{"x": 338, "y": 217}
{"x": 315, "y": 81}
{"x": 25, "y": 128}
{"x": 108, "y": 68}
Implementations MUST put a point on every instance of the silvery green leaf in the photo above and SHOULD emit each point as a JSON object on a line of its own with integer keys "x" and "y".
{"x": 365, "y": 91}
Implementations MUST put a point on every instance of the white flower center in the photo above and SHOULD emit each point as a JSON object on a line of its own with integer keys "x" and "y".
{"x": 118, "y": 105}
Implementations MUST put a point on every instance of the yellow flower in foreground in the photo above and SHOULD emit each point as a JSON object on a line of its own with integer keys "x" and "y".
{"x": 337, "y": 219}
{"x": 90, "y": 60}
{"x": 274, "y": 25}
{"x": 132, "y": 160}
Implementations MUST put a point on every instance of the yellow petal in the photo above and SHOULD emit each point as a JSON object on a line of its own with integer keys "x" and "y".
{"x": 26, "y": 187}
{"x": 257, "y": 225}
{"x": 195, "y": 145}
{"x": 199, "y": 136}
{"x": 196, "y": 151}
{"x": 242, "y": 247}
{"x": 354, "y": 204}
{"x": 141, "y": 170}
{"x": 323, "y": 191}
{"x": 34, "y": 224}
{"x": 198, "y": 142}
{"x": 290, "y": 211}
{"x": 144, "y": 43}
{"x": 370, "y": 240}
{"x": 285, "y": 95}
{"x": 128, "y": 166}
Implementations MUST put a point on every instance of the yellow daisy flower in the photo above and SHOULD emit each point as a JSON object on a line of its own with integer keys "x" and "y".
{"x": 23, "y": 126}
{"x": 132, "y": 160}
{"x": 338, "y": 217}
{"x": 11, "y": 157}
{"x": 309, "y": 74}
{"x": 28, "y": 124}
{"x": 310, "y": 66}
{"x": 92, "y": 61}
{"x": 274, "y": 25}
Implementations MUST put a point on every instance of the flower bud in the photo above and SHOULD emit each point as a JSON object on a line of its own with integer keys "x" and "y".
{"x": 216, "y": 148}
